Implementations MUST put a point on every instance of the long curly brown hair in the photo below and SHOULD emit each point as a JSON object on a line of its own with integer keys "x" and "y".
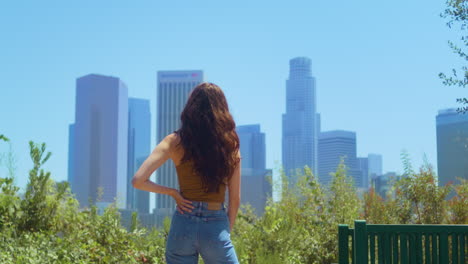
{"x": 208, "y": 136}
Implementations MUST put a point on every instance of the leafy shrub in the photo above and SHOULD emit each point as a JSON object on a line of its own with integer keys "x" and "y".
{"x": 302, "y": 227}
{"x": 47, "y": 225}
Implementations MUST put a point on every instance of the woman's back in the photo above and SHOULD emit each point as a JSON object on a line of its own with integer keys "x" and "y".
{"x": 205, "y": 229}
{"x": 190, "y": 182}
{"x": 205, "y": 151}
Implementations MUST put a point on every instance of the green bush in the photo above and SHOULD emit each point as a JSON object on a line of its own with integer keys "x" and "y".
{"x": 302, "y": 227}
{"x": 47, "y": 225}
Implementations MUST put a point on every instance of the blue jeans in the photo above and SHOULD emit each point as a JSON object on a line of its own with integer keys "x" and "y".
{"x": 202, "y": 231}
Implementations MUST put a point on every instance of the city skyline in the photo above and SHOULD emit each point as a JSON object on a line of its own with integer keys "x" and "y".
{"x": 370, "y": 75}
{"x": 173, "y": 90}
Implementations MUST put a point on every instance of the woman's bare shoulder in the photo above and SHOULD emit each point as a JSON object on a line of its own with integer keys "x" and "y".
{"x": 173, "y": 140}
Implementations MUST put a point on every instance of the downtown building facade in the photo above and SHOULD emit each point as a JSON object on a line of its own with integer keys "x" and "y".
{"x": 98, "y": 140}
{"x": 363, "y": 167}
{"x": 332, "y": 147}
{"x": 452, "y": 146}
{"x": 375, "y": 165}
{"x": 300, "y": 123}
{"x": 256, "y": 187}
{"x": 370, "y": 167}
{"x": 173, "y": 90}
{"x": 139, "y": 143}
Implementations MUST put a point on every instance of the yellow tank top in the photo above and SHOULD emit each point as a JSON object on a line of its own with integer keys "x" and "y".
{"x": 191, "y": 185}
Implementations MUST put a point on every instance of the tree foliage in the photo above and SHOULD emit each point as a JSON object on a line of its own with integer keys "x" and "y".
{"x": 458, "y": 214}
{"x": 46, "y": 225}
{"x": 457, "y": 13}
{"x": 302, "y": 227}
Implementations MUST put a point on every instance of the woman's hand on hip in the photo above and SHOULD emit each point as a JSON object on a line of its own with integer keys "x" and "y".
{"x": 182, "y": 203}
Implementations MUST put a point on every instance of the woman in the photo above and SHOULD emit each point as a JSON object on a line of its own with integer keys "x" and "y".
{"x": 205, "y": 151}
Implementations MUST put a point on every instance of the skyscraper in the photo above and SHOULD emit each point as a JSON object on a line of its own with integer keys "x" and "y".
{"x": 318, "y": 126}
{"x": 252, "y": 148}
{"x": 100, "y": 146}
{"x": 300, "y": 122}
{"x": 375, "y": 165}
{"x": 139, "y": 143}
{"x": 255, "y": 185}
{"x": 363, "y": 167}
{"x": 332, "y": 146}
{"x": 370, "y": 167}
{"x": 452, "y": 146}
{"x": 173, "y": 90}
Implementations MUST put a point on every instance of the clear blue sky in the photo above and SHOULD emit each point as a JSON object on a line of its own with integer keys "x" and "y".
{"x": 376, "y": 65}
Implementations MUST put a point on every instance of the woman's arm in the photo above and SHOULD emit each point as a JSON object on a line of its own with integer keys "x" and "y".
{"x": 234, "y": 193}
{"x": 161, "y": 153}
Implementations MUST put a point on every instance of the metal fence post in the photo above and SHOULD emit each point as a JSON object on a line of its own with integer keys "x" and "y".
{"x": 343, "y": 245}
{"x": 360, "y": 242}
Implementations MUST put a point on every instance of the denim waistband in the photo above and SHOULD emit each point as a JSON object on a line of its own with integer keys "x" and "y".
{"x": 208, "y": 205}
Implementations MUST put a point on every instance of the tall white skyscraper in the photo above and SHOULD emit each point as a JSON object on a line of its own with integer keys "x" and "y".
{"x": 173, "y": 90}
{"x": 300, "y": 122}
{"x": 100, "y": 134}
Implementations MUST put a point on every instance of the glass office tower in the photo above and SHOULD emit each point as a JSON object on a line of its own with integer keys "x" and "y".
{"x": 100, "y": 140}
{"x": 256, "y": 185}
{"x": 300, "y": 122}
{"x": 452, "y": 146}
{"x": 333, "y": 146}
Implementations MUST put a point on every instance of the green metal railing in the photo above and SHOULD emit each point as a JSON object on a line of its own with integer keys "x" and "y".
{"x": 392, "y": 244}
